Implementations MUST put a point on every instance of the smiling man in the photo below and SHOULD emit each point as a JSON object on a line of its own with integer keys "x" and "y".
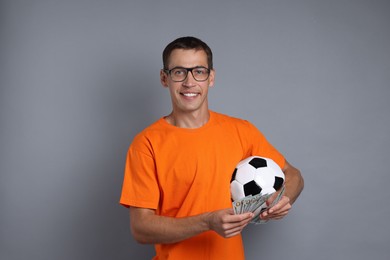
{"x": 178, "y": 169}
{"x": 188, "y": 90}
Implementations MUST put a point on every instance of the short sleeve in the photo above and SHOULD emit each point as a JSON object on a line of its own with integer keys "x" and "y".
{"x": 140, "y": 185}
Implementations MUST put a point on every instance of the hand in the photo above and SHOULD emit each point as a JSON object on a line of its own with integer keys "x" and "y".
{"x": 226, "y": 223}
{"x": 279, "y": 210}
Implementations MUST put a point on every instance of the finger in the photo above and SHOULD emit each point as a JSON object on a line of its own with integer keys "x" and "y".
{"x": 276, "y": 212}
{"x": 277, "y": 215}
{"x": 284, "y": 202}
{"x": 239, "y": 218}
{"x": 284, "y": 208}
{"x": 235, "y": 230}
{"x": 239, "y": 221}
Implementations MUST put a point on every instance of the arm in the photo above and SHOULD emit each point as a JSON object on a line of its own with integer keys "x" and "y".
{"x": 294, "y": 185}
{"x": 149, "y": 228}
{"x": 294, "y": 182}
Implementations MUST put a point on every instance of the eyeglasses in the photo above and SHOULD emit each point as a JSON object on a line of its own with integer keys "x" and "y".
{"x": 179, "y": 74}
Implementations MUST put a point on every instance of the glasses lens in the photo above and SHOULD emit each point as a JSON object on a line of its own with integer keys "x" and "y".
{"x": 200, "y": 74}
{"x": 178, "y": 74}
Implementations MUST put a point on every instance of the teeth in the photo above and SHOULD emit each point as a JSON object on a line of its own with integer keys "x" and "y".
{"x": 189, "y": 94}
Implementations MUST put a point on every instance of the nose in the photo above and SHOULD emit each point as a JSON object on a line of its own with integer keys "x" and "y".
{"x": 190, "y": 80}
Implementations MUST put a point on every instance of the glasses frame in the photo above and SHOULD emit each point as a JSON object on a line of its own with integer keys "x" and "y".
{"x": 168, "y": 71}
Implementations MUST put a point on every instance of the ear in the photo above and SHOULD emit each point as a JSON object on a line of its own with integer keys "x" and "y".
{"x": 211, "y": 78}
{"x": 163, "y": 78}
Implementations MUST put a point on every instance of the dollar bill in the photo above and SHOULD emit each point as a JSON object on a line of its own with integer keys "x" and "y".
{"x": 256, "y": 204}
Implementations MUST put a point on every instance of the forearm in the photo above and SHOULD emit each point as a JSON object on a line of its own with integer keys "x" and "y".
{"x": 294, "y": 182}
{"x": 148, "y": 228}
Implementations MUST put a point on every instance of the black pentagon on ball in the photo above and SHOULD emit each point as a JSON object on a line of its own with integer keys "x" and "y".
{"x": 233, "y": 175}
{"x": 278, "y": 183}
{"x": 258, "y": 162}
{"x": 251, "y": 188}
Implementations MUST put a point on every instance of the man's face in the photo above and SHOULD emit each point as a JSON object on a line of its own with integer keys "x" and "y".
{"x": 189, "y": 95}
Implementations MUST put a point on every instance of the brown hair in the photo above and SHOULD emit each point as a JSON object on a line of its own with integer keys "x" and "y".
{"x": 187, "y": 43}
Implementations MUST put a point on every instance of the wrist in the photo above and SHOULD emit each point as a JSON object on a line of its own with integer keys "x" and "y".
{"x": 206, "y": 220}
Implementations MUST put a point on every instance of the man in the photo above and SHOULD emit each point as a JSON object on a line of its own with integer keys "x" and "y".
{"x": 178, "y": 170}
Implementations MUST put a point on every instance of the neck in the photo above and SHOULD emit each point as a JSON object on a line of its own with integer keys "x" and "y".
{"x": 188, "y": 120}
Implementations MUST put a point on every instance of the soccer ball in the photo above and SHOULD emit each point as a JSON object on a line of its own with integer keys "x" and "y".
{"x": 255, "y": 175}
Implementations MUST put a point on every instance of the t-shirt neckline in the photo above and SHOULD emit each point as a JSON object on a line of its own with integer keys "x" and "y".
{"x": 205, "y": 126}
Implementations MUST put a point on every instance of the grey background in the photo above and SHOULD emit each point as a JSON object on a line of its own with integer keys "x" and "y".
{"x": 80, "y": 78}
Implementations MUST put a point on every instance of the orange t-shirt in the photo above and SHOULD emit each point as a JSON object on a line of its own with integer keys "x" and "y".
{"x": 184, "y": 172}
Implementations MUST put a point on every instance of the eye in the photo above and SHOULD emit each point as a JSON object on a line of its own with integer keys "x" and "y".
{"x": 178, "y": 72}
{"x": 200, "y": 71}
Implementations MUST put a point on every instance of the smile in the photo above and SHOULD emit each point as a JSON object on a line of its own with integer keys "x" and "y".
{"x": 189, "y": 94}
